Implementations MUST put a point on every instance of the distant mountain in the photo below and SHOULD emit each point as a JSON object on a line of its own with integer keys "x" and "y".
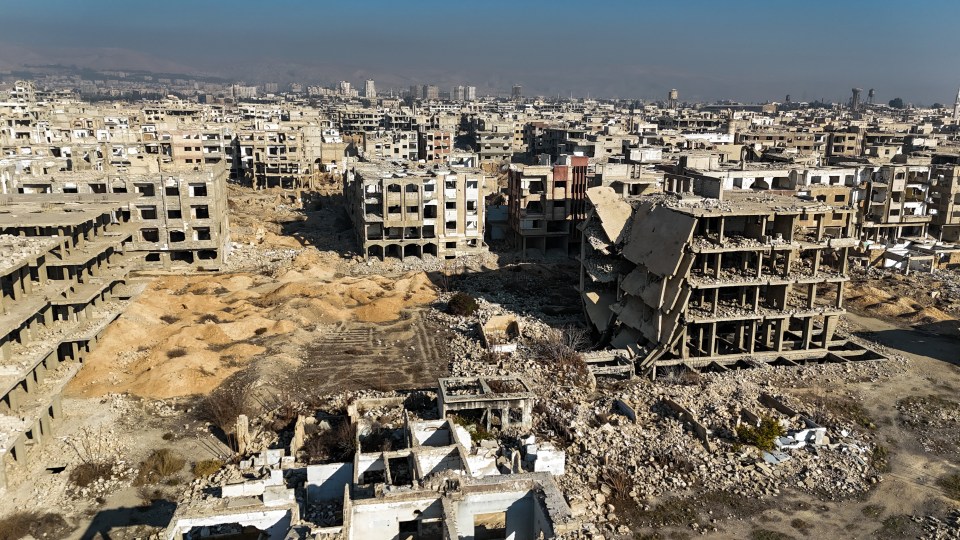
{"x": 14, "y": 57}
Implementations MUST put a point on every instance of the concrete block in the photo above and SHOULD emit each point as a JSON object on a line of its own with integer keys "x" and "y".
{"x": 275, "y": 479}
{"x": 273, "y": 456}
{"x": 231, "y": 490}
{"x": 254, "y": 488}
{"x": 326, "y": 482}
{"x": 551, "y": 460}
{"x": 277, "y": 496}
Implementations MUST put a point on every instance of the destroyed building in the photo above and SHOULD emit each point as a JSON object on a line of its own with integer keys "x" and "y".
{"x": 180, "y": 213}
{"x": 701, "y": 281}
{"x": 64, "y": 280}
{"x": 419, "y": 474}
{"x": 545, "y": 204}
{"x": 399, "y": 212}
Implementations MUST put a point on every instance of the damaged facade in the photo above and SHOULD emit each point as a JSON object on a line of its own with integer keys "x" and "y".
{"x": 685, "y": 279}
{"x": 418, "y": 476}
{"x": 398, "y": 212}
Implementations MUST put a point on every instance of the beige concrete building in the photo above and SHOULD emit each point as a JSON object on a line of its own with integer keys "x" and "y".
{"x": 402, "y": 213}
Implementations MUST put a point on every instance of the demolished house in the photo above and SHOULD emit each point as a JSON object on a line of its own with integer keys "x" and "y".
{"x": 414, "y": 473}
{"x": 713, "y": 282}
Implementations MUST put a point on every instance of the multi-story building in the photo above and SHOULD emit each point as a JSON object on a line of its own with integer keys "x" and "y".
{"x": 64, "y": 280}
{"x": 402, "y": 213}
{"x": 180, "y": 214}
{"x": 435, "y": 146}
{"x": 896, "y": 203}
{"x": 546, "y": 202}
{"x": 945, "y": 201}
{"x": 737, "y": 278}
{"x": 391, "y": 145}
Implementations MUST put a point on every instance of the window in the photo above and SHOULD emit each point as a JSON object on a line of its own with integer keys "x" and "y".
{"x": 198, "y": 190}
{"x": 201, "y": 212}
{"x": 839, "y": 198}
{"x": 202, "y": 233}
{"x": 174, "y": 214}
{"x": 146, "y": 190}
{"x": 150, "y": 235}
{"x": 177, "y": 236}
{"x": 147, "y": 212}
{"x": 450, "y": 205}
{"x": 172, "y": 191}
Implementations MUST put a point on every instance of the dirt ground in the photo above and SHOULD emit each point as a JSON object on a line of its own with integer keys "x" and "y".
{"x": 288, "y": 305}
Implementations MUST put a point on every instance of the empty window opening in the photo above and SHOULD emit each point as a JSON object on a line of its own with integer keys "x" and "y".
{"x": 150, "y": 235}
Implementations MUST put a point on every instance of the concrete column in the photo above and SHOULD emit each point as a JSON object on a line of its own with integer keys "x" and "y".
{"x": 807, "y": 332}
{"x": 26, "y": 280}
{"x": 778, "y": 336}
{"x": 20, "y": 451}
{"x": 14, "y": 286}
{"x": 713, "y": 339}
{"x": 811, "y": 295}
{"x": 56, "y": 407}
{"x": 816, "y": 261}
{"x": 839, "y": 304}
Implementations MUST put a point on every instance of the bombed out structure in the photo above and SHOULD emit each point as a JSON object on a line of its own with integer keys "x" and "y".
{"x": 729, "y": 279}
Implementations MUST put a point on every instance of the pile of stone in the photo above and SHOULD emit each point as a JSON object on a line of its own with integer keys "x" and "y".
{"x": 662, "y": 456}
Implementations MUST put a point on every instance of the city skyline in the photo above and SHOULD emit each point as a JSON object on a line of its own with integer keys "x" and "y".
{"x": 628, "y": 50}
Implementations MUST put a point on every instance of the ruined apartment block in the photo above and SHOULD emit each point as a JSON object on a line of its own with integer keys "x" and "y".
{"x": 897, "y": 203}
{"x": 415, "y": 474}
{"x": 545, "y": 204}
{"x": 411, "y": 213}
{"x": 945, "y": 200}
{"x": 181, "y": 214}
{"x": 64, "y": 280}
{"x": 717, "y": 281}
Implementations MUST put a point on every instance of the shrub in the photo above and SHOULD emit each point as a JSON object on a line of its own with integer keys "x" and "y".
{"x": 178, "y": 352}
{"x": 332, "y": 445}
{"x": 762, "y": 436}
{"x": 207, "y": 467}
{"x": 462, "y": 304}
{"x": 620, "y": 483}
{"x": 34, "y": 524}
{"x": 159, "y": 465}
{"x": 222, "y": 406}
{"x": 209, "y": 317}
{"x": 169, "y": 319}
{"x": 85, "y": 474}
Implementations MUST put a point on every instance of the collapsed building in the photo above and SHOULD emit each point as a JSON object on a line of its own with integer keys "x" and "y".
{"x": 399, "y": 212}
{"x": 64, "y": 280}
{"x": 717, "y": 281}
{"x": 413, "y": 474}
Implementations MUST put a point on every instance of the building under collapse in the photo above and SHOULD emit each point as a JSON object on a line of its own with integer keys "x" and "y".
{"x": 748, "y": 276}
{"x": 398, "y": 212}
{"x": 413, "y": 474}
{"x": 64, "y": 280}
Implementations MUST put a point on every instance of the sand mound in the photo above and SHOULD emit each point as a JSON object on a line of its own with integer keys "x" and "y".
{"x": 191, "y": 332}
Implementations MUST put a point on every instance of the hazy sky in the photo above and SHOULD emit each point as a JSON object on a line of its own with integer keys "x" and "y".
{"x": 746, "y": 50}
